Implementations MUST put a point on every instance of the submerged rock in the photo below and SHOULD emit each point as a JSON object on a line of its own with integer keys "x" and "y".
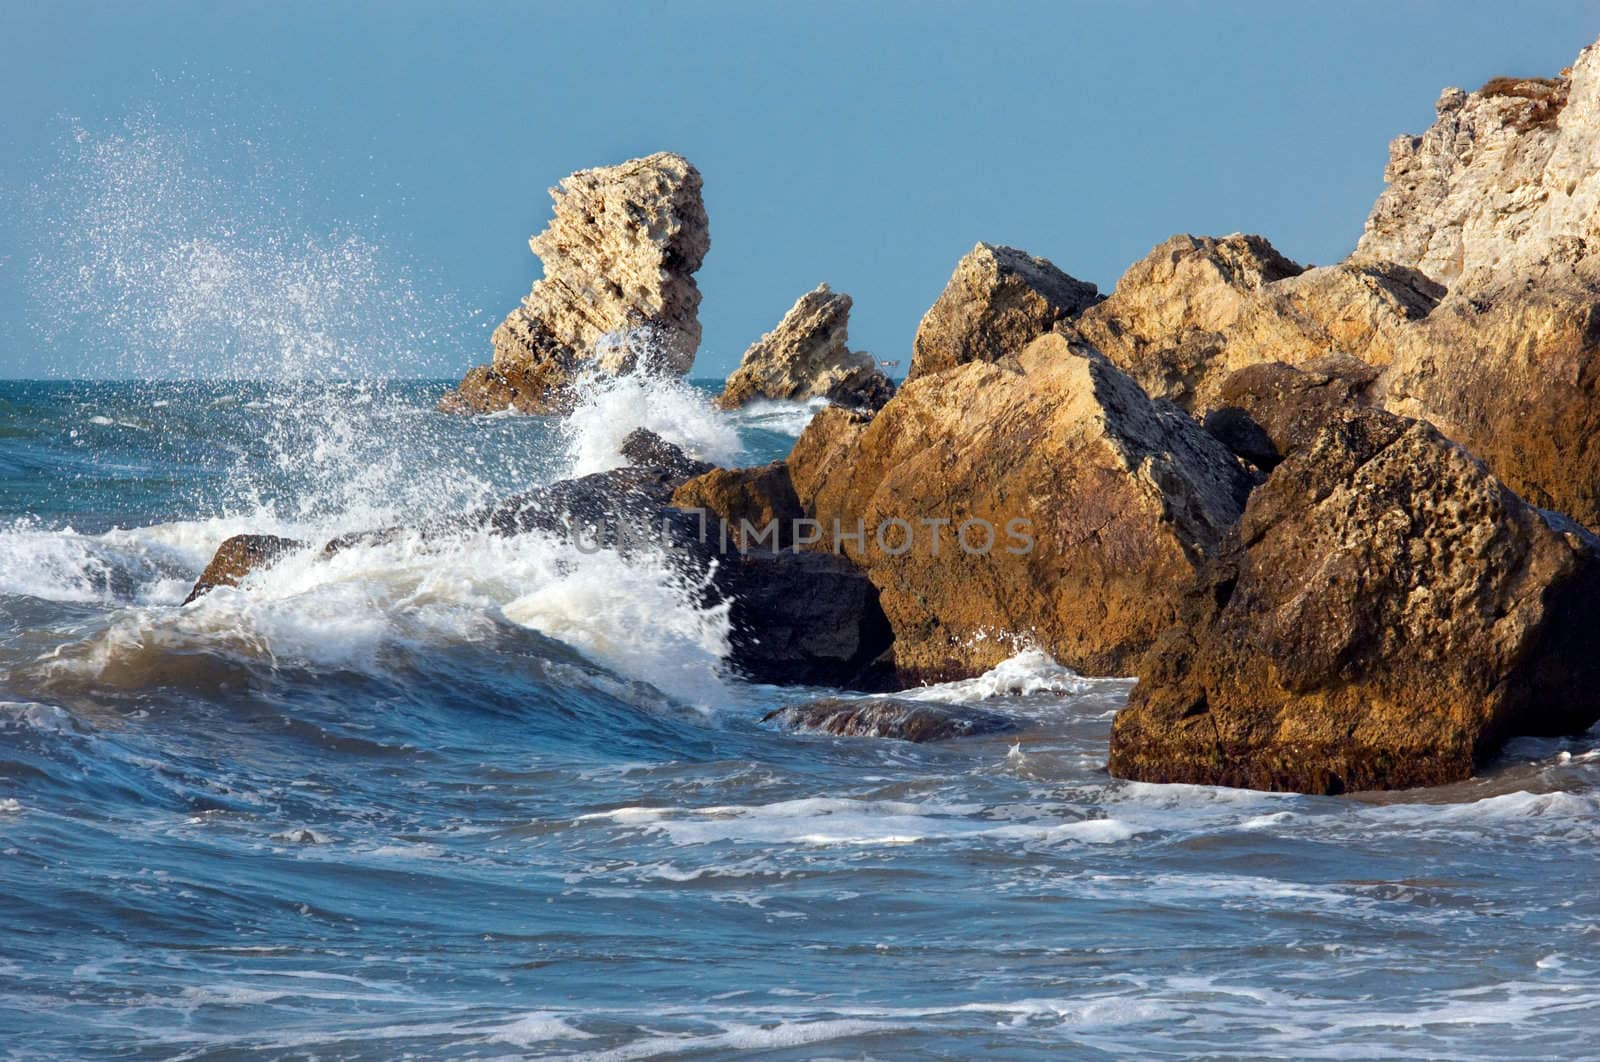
{"x": 807, "y": 356}
{"x": 237, "y": 557}
{"x": 1386, "y": 615}
{"x": 618, "y": 290}
{"x": 901, "y": 720}
{"x": 998, "y": 300}
{"x": 1045, "y": 499}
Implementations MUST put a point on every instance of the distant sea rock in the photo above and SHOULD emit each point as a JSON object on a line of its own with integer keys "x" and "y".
{"x": 807, "y": 356}
{"x": 618, "y": 290}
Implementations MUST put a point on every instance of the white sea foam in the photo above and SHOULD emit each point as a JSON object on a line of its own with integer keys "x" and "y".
{"x": 1030, "y": 672}
{"x": 782, "y": 418}
{"x": 827, "y": 821}
{"x": 635, "y": 616}
{"x": 610, "y": 407}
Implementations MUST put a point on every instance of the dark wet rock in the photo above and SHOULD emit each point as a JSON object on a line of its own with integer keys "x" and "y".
{"x": 796, "y": 617}
{"x": 643, "y": 448}
{"x": 237, "y": 557}
{"x": 901, "y": 720}
{"x": 1386, "y": 615}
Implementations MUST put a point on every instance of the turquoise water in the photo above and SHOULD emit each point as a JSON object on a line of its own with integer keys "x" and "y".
{"x": 486, "y": 798}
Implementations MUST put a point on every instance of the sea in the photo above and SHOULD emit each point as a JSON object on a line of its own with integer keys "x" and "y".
{"x": 473, "y": 797}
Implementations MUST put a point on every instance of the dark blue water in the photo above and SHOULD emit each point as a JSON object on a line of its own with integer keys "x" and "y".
{"x": 487, "y": 798}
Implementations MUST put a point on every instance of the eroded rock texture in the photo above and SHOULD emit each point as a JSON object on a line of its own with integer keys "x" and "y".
{"x": 618, "y": 290}
{"x": 998, "y": 300}
{"x": 1385, "y": 616}
{"x": 1103, "y": 505}
{"x": 807, "y": 356}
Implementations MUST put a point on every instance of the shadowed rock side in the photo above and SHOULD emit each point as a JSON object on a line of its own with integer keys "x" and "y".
{"x": 618, "y": 290}
{"x": 998, "y": 300}
{"x": 807, "y": 356}
{"x": 1267, "y": 412}
{"x": 1386, "y": 615}
{"x": 900, "y": 720}
{"x": 237, "y": 557}
{"x": 1120, "y": 499}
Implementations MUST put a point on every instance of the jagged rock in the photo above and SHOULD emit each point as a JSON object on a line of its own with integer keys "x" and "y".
{"x": 1197, "y": 309}
{"x": 1386, "y": 614}
{"x": 998, "y": 300}
{"x": 901, "y": 720}
{"x": 807, "y": 356}
{"x": 618, "y": 289}
{"x": 746, "y": 502}
{"x": 1506, "y": 182}
{"x": 1121, "y": 497}
{"x": 1512, "y": 374}
{"x": 1266, "y": 412}
{"x": 797, "y": 618}
{"x": 237, "y": 557}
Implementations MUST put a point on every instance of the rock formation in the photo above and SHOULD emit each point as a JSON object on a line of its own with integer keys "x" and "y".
{"x": 1386, "y": 614}
{"x": 744, "y": 503}
{"x": 1102, "y": 505}
{"x": 1198, "y": 308}
{"x": 998, "y": 300}
{"x": 894, "y": 718}
{"x": 618, "y": 290}
{"x": 1505, "y": 183}
{"x": 798, "y": 618}
{"x": 806, "y": 356}
{"x": 1266, "y": 412}
{"x": 237, "y": 557}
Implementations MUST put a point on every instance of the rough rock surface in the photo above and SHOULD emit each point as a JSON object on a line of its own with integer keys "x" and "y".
{"x": 237, "y": 557}
{"x": 1505, "y": 182}
{"x": 747, "y": 501}
{"x": 899, "y": 719}
{"x": 1198, "y": 308}
{"x": 1385, "y": 616}
{"x": 1122, "y": 498}
{"x": 807, "y": 356}
{"x": 1501, "y": 199}
{"x": 1267, "y": 412}
{"x": 998, "y": 300}
{"x": 618, "y": 289}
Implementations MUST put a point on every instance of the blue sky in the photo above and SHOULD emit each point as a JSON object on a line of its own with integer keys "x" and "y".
{"x": 868, "y": 145}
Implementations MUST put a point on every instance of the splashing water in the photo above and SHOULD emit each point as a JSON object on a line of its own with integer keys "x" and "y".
{"x": 609, "y": 407}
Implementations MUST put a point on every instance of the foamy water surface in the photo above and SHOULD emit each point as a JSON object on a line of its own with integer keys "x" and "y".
{"x": 479, "y": 797}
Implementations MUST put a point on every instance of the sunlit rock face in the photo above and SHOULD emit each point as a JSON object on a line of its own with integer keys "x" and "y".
{"x": 618, "y": 291}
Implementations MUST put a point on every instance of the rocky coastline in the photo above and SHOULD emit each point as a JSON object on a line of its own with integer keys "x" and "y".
{"x": 1339, "y": 521}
